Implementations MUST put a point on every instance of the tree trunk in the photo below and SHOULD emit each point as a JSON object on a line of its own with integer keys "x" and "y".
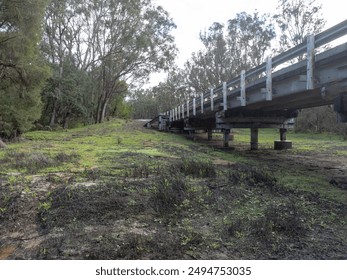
{"x": 54, "y": 113}
{"x": 103, "y": 110}
{"x": 2, "y": 144}
{"x": 66, "y": 121}
{"x": 98, "y": 109}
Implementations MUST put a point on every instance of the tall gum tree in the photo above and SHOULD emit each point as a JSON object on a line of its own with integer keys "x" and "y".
{"x": 118, "y": 43}
{"x": 296, "y": 19}
{"x": 240, "y": 45}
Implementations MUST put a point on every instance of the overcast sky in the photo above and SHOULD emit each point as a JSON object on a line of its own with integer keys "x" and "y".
{"x": 193, "y": 16}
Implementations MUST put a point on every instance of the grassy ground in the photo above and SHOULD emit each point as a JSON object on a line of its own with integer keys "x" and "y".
{"x": 119, "y": 191}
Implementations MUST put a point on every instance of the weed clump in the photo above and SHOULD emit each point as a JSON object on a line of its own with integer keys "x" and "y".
{"x": 64, "y": 157}
{"x": 8, "y": 203}
{"x": 92, "y": 174}
{"x": 69, "y": 205}
{"x": 169, "y": 193}
{"x": 286, "y": 218}
{"x": 196, "y": 168}
{"x": 273, "y": 229}
{"x": 34, "y": 162}
{"x": 139, "y": 171}
{"x": 253, "y": 177}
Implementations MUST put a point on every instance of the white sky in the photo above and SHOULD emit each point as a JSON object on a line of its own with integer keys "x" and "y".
{"x": 193, "y": 16}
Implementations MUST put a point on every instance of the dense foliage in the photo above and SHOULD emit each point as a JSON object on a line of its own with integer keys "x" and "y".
{"x": 22, "y": 70}
{"x": 80, "y": 66}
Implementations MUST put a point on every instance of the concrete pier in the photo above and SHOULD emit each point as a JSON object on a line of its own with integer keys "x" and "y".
{"x": 283, "y": 143}
{"x": 254, "y": 138}
{"x": 226, "y": 138}
{"x": 209, "y": 135}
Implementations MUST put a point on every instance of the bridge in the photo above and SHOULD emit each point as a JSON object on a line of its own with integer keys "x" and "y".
{"x": 264, "y": 97}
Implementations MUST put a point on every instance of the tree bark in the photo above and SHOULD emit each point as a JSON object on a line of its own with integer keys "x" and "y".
{"x": 54, "y": 113}
{"x": 2, "y": 144}
{"x": 66, "y": 120}
{"x": 103, "y": 110}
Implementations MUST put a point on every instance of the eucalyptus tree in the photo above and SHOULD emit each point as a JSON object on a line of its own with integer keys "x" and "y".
{"x": 240, "y": 45}
{"x": 171, "y": 91}
{"x": 249, "y": 40}
{"x": 22, "y": 71}
{"x": 131, "y": 39}
{"x": 296, "y": 19}
{"x": 61, "y": 28}
{"x": 118, "y": 43}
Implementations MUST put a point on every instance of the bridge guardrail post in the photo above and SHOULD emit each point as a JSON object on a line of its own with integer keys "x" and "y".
{"x": 269, "y": 79}
{"x": 194, "y": 106}
{"x": 225, "y": 105}
{"x": 202, "y": 103}
{"x": 243, "y": 88}
{"x": 310, "y": 62}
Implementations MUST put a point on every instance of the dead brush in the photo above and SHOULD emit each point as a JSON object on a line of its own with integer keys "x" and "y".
{"x": 253, "y": 177}
{"x": 81, "y": 204}
{"x": 285, "y": 218}
{"x": 33, "y": 162}
{"x": 139, "y": 171}
{"x": 64, "y": 157}
{"x": 170, "y": 192}
{"x": 196, "y": 168}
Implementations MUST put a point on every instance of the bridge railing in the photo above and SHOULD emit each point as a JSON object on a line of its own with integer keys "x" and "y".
{"x": 238, "y": 85}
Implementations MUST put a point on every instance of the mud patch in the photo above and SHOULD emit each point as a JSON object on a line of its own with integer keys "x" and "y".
{"x": 6, "y": 251}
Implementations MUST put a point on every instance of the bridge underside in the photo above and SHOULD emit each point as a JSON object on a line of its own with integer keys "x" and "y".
{"x": 226, "y": 121}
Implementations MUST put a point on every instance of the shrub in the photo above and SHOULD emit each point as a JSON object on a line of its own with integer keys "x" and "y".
{"x": 253, "y": 177}
{"x": 169, "y": 193}
{"x": 196, "y": 168}
{"x": 35, "y": 161}
{"x": 286, "y": 218}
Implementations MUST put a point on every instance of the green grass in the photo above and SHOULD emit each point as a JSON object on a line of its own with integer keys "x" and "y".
{"x": 302, "y": 142}
{"x": 314, "y": 184}
{"x": 97, "y": 146}
{"x": 120, "y": 191}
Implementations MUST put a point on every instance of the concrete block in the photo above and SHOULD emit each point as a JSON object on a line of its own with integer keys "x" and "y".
{"x": 283, "y": 145}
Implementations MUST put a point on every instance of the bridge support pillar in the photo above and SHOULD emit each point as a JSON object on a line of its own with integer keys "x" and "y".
{"x": 209, "y": 135}
{"x": 283, "y": 144}
{"x": 192, "y": 135}
{"x": 254, "y": 138}
{"x": 226, "y": 138}
{"x": 283, "y": 134}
